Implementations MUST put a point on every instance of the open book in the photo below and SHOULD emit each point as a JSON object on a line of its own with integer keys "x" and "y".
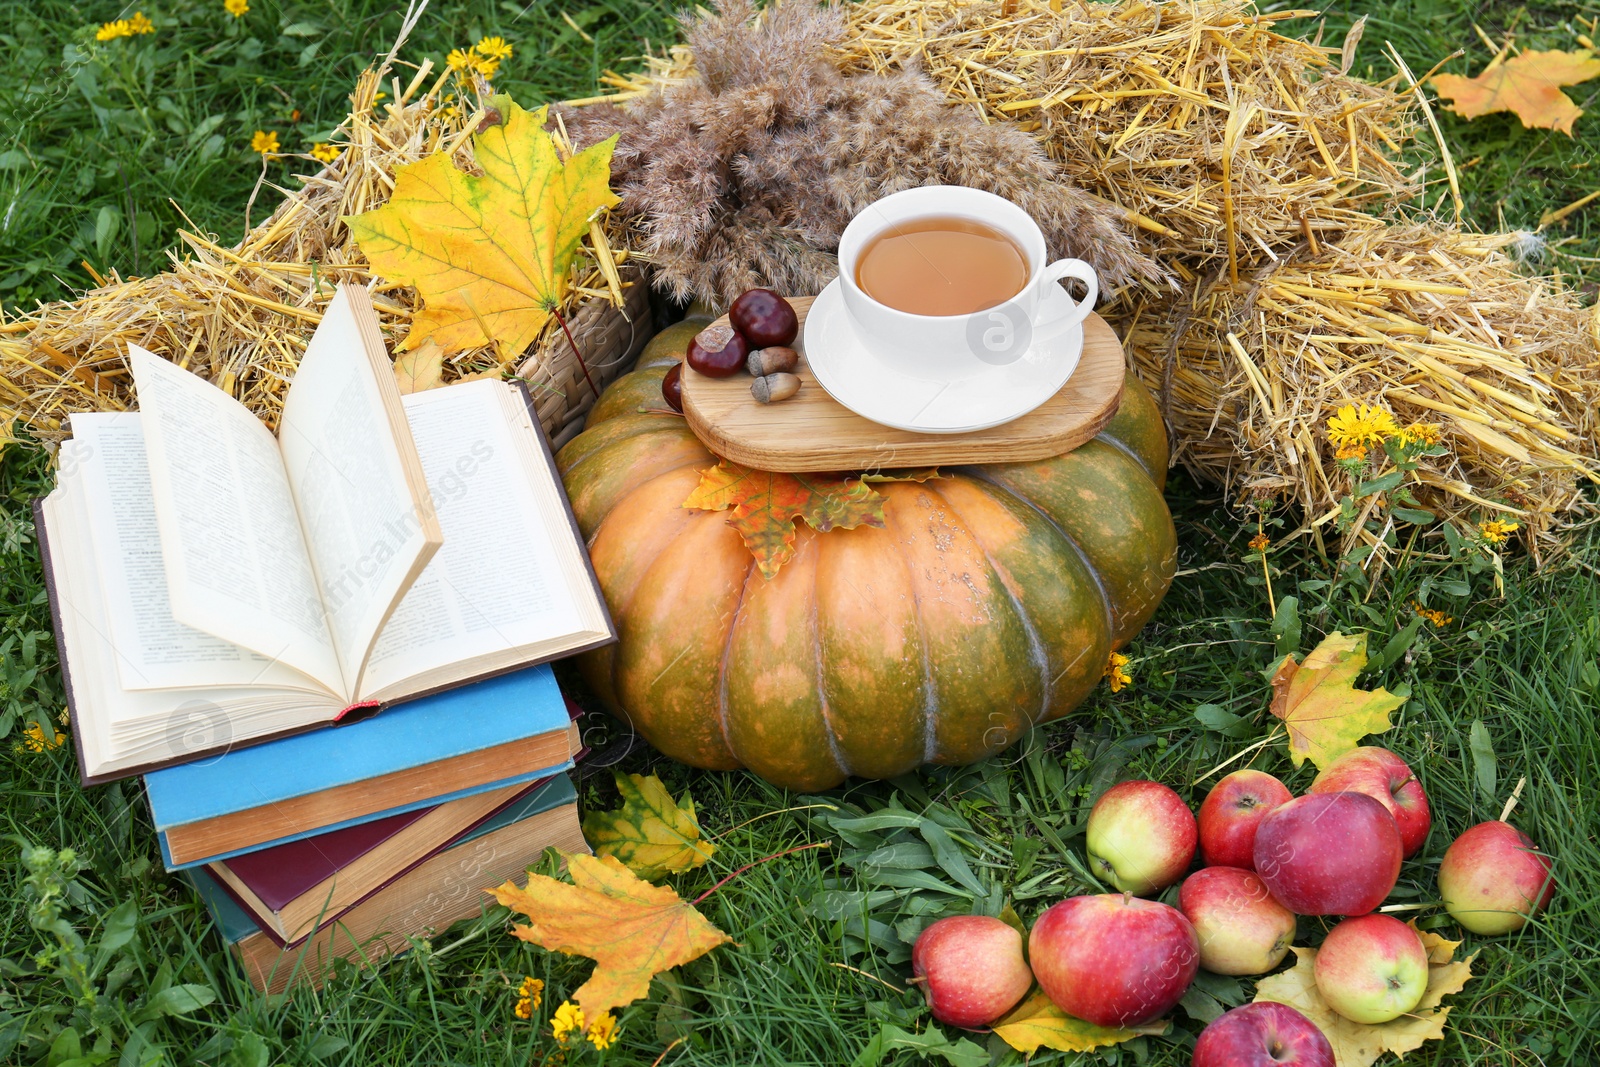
{"x": 215, "y": 584}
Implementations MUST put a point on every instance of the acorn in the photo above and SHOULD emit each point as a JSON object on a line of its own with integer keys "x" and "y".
{"x": 778, "y": 359}
{"x": 772, "y": 388}
{"x": 718, "y": 351}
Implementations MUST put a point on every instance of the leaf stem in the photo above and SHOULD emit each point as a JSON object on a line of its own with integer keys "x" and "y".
{"x": 581, "y": 364}
{"x": 756, "y": 863}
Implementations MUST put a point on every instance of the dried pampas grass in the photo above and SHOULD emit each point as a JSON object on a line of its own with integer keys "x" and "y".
{"x": 744, "y": 158}
{"x": 1433, "y": 324}
{"x": 1217, "y": 135}
{"x": 240, "y": 317}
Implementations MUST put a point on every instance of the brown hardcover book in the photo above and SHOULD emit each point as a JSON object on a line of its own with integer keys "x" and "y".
{"x": 293, "y": 888}
{"x": 215, "y": 584}
{"x": 441, "y": 891}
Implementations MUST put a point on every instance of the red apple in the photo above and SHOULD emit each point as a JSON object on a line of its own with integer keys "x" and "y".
{"x": 1114, "y": 959}
{"x": 1263, "y": 1034}
{"x": 1372, "y": 969}
{"x": 1329, "y": 854}
{"x": 1141, "y": 837}
{"x": 1493, "y": 879}
{"x": 1230, "y": 814}
{"x": 1386, "y": 778}
{"x": 1242, "y": 930}
{"x": 973, "y": 969}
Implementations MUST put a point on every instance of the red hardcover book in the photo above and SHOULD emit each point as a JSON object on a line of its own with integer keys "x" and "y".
{"x": 297, "y": 887}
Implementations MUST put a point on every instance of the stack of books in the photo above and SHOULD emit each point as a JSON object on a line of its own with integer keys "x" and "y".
{"x": 325, "y": 647}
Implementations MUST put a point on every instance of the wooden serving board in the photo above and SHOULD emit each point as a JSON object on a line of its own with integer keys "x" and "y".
{"x": 811, "y": 431}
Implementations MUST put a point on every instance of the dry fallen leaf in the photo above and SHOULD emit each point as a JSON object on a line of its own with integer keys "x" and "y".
{"x": 1528, "y": 85}
{"x": 765, "y": 506}
{"x": 1356, "y": 1044}
{"x": 631, "y": 929}
{"x": 1038, "y": 1022}
{"x": 488, "y": 255}
{"x": 1325, "y": 714}
{"x": 651, "y": 834}
{"x": 419, "y": 369}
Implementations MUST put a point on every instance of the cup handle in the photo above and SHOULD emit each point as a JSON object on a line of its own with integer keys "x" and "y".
{"x": 1079, "y": 309}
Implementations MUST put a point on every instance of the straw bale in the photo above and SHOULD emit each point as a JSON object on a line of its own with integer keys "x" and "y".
{"x": 1434, "y": 324}
{"x": 1219, "y": 136}
{"x": 241, "y": 316}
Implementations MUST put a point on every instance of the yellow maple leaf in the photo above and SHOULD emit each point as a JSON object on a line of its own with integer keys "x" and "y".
{"x": 1528, "y": 85}
{"x": 1357, "y": 1044}
{"x": 1325, "y": 714}
{"x": 1037, "y": 1022}
{"x": 421, "y": 368}
{"x": 631, "y": 929}
{"x": 651, "y": 834}
{"x": 488, "y": 255}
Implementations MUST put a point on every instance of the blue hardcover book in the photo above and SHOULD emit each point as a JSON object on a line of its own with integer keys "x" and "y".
{"x": 498, "y": 732}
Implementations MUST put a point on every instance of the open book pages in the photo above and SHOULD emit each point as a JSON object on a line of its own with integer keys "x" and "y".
{"x": 215, "y": 584}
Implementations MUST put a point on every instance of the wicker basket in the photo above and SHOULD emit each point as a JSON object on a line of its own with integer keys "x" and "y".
{"x": 609, "y": 337}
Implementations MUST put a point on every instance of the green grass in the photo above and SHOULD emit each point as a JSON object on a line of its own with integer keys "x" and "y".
{"x": 86, "y": 170}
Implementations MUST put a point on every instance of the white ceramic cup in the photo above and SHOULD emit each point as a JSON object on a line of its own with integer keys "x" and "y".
{"x": 953, "y": 346}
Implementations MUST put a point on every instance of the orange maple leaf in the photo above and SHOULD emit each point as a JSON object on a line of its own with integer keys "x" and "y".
{"x": 1528, "y": 85}
{"x": 766, "y": 504}
{"x": 488, "y": 254}
{"x": 1325, "y": 714}
{"x": 631, "y": 929}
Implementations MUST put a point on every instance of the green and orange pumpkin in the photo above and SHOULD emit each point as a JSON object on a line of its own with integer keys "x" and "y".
{"x": 988, "y": 602}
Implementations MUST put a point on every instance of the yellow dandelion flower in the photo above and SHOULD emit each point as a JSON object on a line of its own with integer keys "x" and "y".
{"x": 532, "y": 989}
{"x": 1495, "y": 531}
{"x": 110, "y": 31}
{"x": 264, "y": 142}
{"x": 1437, "y": 618}
{"x": 459, "y": 60}
{"x": 603, "y": 1034}
{"x": 237, "y": 8}
{"x": 1421, "y": 433}
{"x": 1364, "y": 426}
{"x": 486, "y": 68}
{"x": 524, "y": 1008}
{"x": 1350, "y": 452}
{"x": 568, "y": 1019}
{"x": 140, "y": 24}
{"x": 34, "y": 739}
{"x": 324, "y": 153}
{"x": 1259, "y": 542}
{"x": 1115, "y": 676}
{"x": 493, "y": 48}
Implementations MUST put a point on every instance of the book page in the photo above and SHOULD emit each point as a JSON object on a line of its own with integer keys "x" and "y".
{"x": 153, "y": 649}
{"x": 473, "y": 599}
{"x": 236, "y": 562}
{"x": 357, "y": 482}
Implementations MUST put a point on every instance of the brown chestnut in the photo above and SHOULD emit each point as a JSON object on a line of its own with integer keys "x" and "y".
{"x": 779, "y": 359}
{"x": 672, "y": 387}
{"x": 765, "y": 318}
{"x": 718, "y": 351}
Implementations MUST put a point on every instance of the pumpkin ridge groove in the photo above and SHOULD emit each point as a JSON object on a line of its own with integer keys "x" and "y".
{"x": 929, "y": 695}
{"x": 1121, "y": 446}
{"x": 722, "y": 663}
{"x": 822, "y": 689}
{"x": 1035, "y": 643}
{"x": 1083, "y": 557}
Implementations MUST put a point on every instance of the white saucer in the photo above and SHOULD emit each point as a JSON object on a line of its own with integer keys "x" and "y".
{"x": 844, "y": 364}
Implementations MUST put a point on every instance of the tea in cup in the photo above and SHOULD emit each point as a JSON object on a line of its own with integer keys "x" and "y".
{"x": 945, "y": 281}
